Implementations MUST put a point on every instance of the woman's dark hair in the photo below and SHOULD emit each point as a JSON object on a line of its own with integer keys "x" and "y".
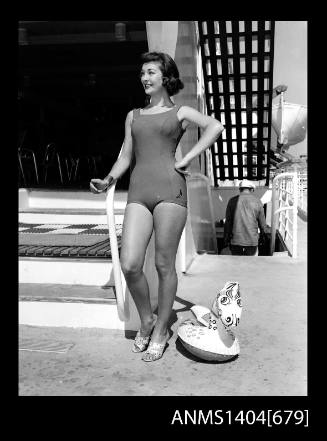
{"x": 171, "y": 80}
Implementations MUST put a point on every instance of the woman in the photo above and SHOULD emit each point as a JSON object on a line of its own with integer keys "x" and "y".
{"x": 157, "y": 197}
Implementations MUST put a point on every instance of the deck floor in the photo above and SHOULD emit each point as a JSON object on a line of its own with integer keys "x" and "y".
{"x": 272, "y": 335}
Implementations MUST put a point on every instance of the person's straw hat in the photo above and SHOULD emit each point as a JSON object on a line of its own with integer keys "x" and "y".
{"x": 247, "y": 184}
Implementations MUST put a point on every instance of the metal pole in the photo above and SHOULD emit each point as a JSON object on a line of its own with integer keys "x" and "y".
{"x": 120, "y": 283}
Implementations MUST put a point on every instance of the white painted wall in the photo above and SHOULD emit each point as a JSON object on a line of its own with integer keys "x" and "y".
{"x": 75, "y": 315}
{"x": 58, "y": 199}
{"x": 90, "y": 272}
{"x": 162, "y": 36}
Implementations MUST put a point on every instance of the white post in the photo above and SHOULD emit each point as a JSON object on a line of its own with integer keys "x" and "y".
{"x": 282, "y": 118}
{"x": 273, "y": 218}
{"x": 295, "y": 208}
{"x": 181, "y": 254}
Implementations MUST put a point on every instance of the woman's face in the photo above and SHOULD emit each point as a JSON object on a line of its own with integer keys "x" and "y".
{"x": 151, "y": 77}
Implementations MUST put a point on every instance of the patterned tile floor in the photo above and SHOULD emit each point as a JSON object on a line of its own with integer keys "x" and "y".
{"x": 66, "y": 228}
{"x": 99, "y": 250}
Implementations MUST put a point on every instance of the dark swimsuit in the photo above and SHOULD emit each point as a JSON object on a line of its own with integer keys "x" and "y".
{"x": 154, "y": 178}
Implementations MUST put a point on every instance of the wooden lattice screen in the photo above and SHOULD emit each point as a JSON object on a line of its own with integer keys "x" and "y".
{"x": 237, "y": 61}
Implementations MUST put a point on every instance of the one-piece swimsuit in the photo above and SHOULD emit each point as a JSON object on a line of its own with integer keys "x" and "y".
{"x": 154, "y": 178}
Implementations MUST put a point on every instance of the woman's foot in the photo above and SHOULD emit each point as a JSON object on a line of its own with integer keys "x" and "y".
{"x": 155, "y": 349}
{"x": 143, "y": 335}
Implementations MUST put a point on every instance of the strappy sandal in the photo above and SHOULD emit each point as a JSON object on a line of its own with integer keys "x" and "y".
{"x": 141, "y": 343}
{"x": 155, "y": 350}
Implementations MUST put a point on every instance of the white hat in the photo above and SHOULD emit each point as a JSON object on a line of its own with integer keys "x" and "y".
{"x": 246, "y": 184}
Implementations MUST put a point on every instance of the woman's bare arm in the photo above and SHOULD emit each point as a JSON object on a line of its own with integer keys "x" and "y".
{"x": 212, "y": 128}
{"x": 121, "y": 165}
{"x": 124, "y": 160}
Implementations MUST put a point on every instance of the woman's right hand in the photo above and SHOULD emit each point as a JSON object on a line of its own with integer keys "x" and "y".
{"x": 100, "y": 185}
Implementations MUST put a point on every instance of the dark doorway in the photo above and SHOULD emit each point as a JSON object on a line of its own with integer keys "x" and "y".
{"x": 76, "y": 83}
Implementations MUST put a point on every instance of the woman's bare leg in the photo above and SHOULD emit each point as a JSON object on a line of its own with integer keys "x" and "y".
{"x": 169, "y": 221}
{"x": 137, "y": 230}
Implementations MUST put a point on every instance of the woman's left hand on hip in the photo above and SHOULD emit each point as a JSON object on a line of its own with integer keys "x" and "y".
{"x": 182, "y": 168}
